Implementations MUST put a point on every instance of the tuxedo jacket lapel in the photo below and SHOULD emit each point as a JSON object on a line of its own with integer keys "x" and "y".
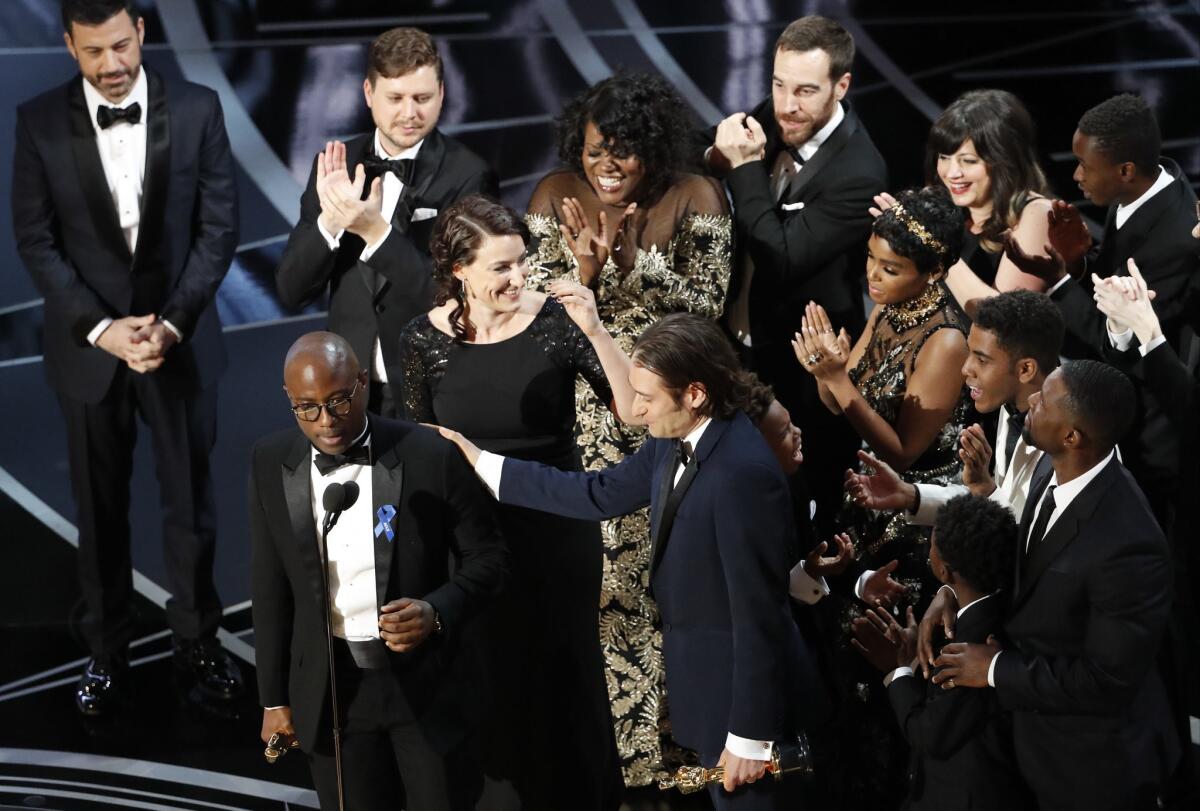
{"x": 825, "y": 155}
{"x": 659, "y": 503}
{"x": 667, "y": 517}
{"x": 387, "y": 478}
{"x": 158, "y": 167}
{"x": 297, "y": 488}
{"x": 91, "y": 178}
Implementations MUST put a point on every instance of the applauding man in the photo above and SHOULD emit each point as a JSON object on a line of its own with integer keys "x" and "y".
{"x": 368, "y": 212}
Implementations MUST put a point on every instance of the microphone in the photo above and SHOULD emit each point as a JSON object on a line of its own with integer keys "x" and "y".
{"x": 336, "y": 499}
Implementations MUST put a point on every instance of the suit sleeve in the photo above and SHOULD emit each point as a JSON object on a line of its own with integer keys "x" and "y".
{"x": 479, "y": 549}
{"x": 792, "y": 246}
{"x": 272, "y": 606}
{"x": 307, "y": 261}
{"x": 1176, "y": 390}
{"x": 1083, "y": 321}
{"x": 940, "y": 724}
{"x": 1129, "y": 596}
{"x": 215, "y": 225}
{"x": 754, "y": 562}
{"x": 38, "y": 230}
{"x": 592, "y": 496}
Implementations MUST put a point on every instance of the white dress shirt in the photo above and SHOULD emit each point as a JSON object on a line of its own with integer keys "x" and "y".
{"x": 354, "y": 603}
{"x": 1064, "y": 494}
{"x": 1124, "y": 212}
{"x": 389, "y": 197}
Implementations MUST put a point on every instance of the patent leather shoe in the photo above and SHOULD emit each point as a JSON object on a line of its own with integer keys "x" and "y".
{"x": 209, "y": 667}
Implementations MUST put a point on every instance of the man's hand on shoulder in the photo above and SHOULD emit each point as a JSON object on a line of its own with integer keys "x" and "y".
{"x": 405, "y": 623}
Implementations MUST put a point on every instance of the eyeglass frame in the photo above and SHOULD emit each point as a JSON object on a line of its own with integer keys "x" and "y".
{"x": 328, "y": 405}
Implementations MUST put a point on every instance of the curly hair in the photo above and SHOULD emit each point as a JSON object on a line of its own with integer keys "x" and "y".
{"x": 977, "y": 538}
{"x": 1101, "y": 400}
{"x": 759, "y": 399}
{"x": 1126, "y": 130}
{"x": 1026, "y": 325}
{"x": 929, "y": 208}
{"x": 638, "y": 115}
{"x": 457, "y": 235}
{"x": 1005, "y": 138}
{"x": 685, "y": 348}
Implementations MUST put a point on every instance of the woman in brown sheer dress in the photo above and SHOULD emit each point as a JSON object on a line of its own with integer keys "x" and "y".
{"x": 901, "y": 387}
{"x": 623, "y": 218}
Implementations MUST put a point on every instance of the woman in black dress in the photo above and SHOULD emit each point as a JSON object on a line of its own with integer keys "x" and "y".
{"x": 498, "y": 363}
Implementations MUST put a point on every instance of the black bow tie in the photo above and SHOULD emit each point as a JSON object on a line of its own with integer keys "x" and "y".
{"x": 107, "y": 116}
{"x": 376, "y": 166}
{"x": 358, "y": 454}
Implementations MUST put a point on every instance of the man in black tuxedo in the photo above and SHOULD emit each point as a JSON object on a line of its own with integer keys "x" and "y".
{"x": 399, "y": 607}
{"x": 369, "y": 209}
{"x": 739, "y": 676}
{"x": 125, "y": 213}
{"x": 800, "y": 199}
{"x": 1151, "y": 211}
{"x": 1090, "y": 602}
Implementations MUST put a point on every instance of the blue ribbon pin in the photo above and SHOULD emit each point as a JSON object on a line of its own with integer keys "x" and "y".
{"x": 385, "y": 514}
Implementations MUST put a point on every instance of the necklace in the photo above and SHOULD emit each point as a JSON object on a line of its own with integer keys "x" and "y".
{"x": 907, "y": 314}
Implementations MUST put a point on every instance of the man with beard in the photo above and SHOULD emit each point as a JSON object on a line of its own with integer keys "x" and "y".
{"x": 800, "y": 197}
{"x": 369, "y": 208}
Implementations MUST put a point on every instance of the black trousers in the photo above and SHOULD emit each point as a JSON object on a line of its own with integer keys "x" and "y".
{"x": 386, "y": 760}
{"x": 100, "y": 440}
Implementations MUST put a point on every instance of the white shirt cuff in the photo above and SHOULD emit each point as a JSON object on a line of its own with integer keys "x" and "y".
{"x": 898, "y": 673}
{"x": 803, "y": 587}
{"x": 369, "y": 251}
{"x": 992, "y": 670}
{"x": 280, "y": 707}
{"x": 98, "y": 330}
{"x": 1155, "y": 343}
{"x": 1058, "y": 284}
{"x": 332, "y": 241}
{"x": 861, "y": 583}
{"x": 488, "y": 468}
{"x": 747, "y": 748}
{"x": 1119, "y": 340}
{"x": 174, "y": 329}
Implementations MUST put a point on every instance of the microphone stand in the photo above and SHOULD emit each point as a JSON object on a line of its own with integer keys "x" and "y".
{"x": 331, "y": 518}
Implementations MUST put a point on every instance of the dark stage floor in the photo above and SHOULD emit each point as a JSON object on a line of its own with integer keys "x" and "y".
{"x": 288, "y": 74}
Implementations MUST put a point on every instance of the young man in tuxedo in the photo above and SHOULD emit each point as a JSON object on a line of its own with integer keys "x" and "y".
{"x": 125, "y": 213}
{"x": 802, "y": 171}
{"x": 369, "y": 209}
{"x": 398, "y": 608}
{"x": 738, "y": 674}
{"x": 1089, "y": 605}
{"x": 1014, "y": 341}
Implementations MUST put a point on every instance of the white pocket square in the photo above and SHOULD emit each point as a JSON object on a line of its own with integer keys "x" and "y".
{"x": 792, "y": 206}
{"x": 426, "y": 214}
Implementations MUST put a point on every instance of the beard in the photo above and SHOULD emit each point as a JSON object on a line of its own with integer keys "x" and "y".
{"x": 807, "y": 126}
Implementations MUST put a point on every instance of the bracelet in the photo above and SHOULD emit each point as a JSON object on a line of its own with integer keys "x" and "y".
{"x": 437, "y": 621}
{"x": 916, "y": 501}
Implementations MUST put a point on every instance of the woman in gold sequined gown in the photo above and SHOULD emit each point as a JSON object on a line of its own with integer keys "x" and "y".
{"x": 649, "y": 239}
{"x": 901, "y": 388}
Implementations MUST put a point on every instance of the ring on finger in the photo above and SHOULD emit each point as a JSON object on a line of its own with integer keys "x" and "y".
{"x": 950, "y": 683}
{"x": 812, "y": 359}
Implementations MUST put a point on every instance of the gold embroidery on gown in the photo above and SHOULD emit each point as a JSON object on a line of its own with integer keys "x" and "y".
{"x": 682, "y": 263}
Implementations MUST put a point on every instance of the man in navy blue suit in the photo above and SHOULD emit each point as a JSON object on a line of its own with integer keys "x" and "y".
{"x": 738, "y": 674}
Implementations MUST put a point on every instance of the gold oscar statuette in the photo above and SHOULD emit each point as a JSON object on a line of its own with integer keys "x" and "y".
{"x": 787, "y": 757}
{"x": 278, "y": 746}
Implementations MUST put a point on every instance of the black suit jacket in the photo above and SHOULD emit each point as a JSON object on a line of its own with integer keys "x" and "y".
{"x": 1158, "y": 236}
{"x": 735, "y": 661}
{"x": 962, "y": 747}
{"x": 1090, "y": 604}
{"x": 811, "y": 253}
{"x": 442, "y": 513}
{"x": 70, "y": 239}
{"x": 378, "y": 297}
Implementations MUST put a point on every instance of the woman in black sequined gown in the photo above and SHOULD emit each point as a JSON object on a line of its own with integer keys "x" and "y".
{"x": 498, "y": 363}
{"x": 901, "y": 387}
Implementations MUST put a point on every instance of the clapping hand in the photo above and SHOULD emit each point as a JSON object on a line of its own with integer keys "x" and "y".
{"x": 976, "y": 455}
{"x": 1125, "y": 300}
{"x": 340, "y": 196}
{"x": 883, "y": 201}
{"x": 879, "y": 589}
{"x": 580, "y": 304}
{"x": 822, "y": 353}
{"x": 881, "y": 490}
{"x": 815, "y": 565}
{"x": 1069, "y": 242}
{"x": 740, "y": 139}
{"x": 884, "y": 642}
{"x": 591, "y": 244}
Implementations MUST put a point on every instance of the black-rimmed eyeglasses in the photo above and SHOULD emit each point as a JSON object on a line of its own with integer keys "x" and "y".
{"x": 337, "y": 407}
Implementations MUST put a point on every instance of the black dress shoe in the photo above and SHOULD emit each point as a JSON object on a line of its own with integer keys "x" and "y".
{"x": 98, "y": 691}
{"x": 210, "y": 668}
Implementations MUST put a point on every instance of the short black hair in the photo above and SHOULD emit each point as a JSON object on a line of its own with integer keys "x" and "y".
{"x": 1126, "y": 130}
{"x": 930, "y": 209}
{"x": 758, "y": 401}
{"x": 1100, "y": 398}
{"x": 637, "y": 114}
{"x": 1026, "y": 325}
{"x": 94, "y": 12}
{"x": 977, "y": 538}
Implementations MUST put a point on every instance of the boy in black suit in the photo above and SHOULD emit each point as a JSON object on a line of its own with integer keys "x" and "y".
{"x": 962, "y": 750}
